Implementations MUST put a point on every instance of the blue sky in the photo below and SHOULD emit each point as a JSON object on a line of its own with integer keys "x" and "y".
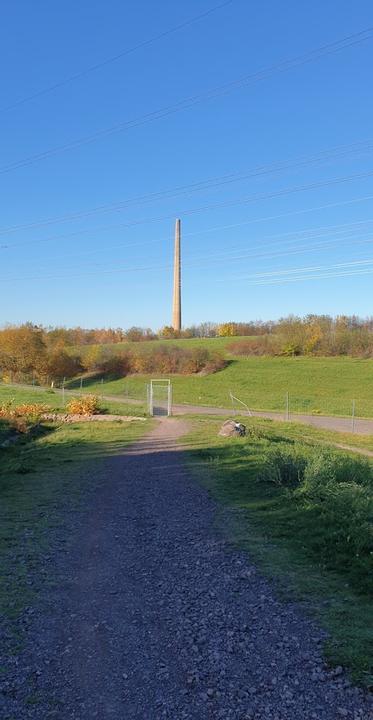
{"x": 282, "y": 221}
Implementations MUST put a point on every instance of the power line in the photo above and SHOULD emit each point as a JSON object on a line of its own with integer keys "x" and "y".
{"x": 333, "y": 271}
{"x": 339, "y": 230}
{"x": 214, "y": 259}
{"x": 229, "y": 258}
{"x": 334, "y": 234}
{"x": 313, "y": 268}
{"x": 118, "y": 56}
{"x": 184, "y": 104}
{"x": 335, "y": 152}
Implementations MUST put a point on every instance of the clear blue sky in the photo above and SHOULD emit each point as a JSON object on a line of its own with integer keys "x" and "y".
{"x": 256, "y": 247}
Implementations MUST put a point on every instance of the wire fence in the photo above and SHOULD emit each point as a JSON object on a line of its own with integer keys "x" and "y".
{"x": 287, "y": 405}
{"x": 59, "y": 392}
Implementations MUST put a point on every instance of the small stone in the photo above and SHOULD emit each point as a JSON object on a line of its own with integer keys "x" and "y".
{"x": 342, "y": 712}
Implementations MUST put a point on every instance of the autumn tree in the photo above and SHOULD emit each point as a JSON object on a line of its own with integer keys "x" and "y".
{"x": 61, "y": 364}
{"x": 23, "y": 351}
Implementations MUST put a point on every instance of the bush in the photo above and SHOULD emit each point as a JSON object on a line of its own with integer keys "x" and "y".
{"x": 215, "y": 362}
{"x": 86, "y": 405}
{"x": 164, "y": 359}
{"x": 21, "y": 418}
{"x": 343, "y": 536}
{"x": 285, "y": 465}
{"x": 254, "y": 432}
{"x": 26, "y": 410}
{"x": 329, "y": 496}
{"x": 264, "y": 345}
{"x": 328, "y": 467}
{"x": 117, "y": 365}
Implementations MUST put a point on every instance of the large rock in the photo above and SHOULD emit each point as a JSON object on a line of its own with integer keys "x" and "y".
{"x": 231, "y": 428}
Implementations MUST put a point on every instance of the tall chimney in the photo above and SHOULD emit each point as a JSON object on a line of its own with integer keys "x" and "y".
{"x": 176, "y": 305}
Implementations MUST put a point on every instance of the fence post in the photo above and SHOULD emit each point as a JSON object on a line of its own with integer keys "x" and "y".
{"x": 232, "y": 401}
{"x": 169, "y": 400}
{"x": 353, "y": 416}
{"x": 287, "y": 412}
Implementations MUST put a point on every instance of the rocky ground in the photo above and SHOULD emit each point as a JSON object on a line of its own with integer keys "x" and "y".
{"x": 153, "y": 616}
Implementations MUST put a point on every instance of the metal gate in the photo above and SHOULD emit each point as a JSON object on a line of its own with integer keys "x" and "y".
{"x": 160, "y": 397}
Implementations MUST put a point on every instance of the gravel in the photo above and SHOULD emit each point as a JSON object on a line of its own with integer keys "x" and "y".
{"x": 153, "y": 616}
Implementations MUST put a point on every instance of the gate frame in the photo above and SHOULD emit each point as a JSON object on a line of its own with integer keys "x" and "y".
{"x": 166, "y": 383}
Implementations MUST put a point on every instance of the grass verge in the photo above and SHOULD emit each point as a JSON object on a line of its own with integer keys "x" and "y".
{"x": 55, "y": 400}
{"x": 286, "y": 536}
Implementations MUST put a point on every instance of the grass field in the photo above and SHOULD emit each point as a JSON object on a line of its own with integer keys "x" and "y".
{"x": 55, "y": 400}
{"x": 288, "y": 538}
{"x": 38, "y": 479}
{"x": 315, "y": 385}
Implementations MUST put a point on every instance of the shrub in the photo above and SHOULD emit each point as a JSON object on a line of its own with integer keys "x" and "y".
{"x": 327, "y": 467}
{"x": 254, "y": 432}
{"x": 343, "y": 536}
{"x": 86, "y": 405}
{"x": 215, "y": 362}
{"x": 169, "y": 359}
{"x": 6, "y": 409}
{"x": 329, "y": 496}
{"x": 62, "y": 365}
{"x": 285, "y": 465}
{"x": 164, "y": 359}
{"x": 26, "y": 410}
{"x": 264, "y": 345}
{"x": 32, "y": 410}
{"x": 116, "y": 365}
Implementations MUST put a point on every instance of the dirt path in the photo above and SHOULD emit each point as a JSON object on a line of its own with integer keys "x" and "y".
{"x": 154, "y": 617}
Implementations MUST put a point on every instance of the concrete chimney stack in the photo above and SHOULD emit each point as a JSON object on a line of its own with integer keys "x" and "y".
{"x": 176, "y": 305}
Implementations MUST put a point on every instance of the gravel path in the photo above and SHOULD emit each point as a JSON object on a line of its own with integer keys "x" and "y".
{"x": 154, "y": 617}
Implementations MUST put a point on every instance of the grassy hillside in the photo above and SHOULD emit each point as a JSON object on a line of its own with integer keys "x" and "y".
{"x": 315, "y": 385}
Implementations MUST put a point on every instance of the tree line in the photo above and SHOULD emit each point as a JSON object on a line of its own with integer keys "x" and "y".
{"x": 319, "y": 335}
{"x": 31, "y": 353}
{"x": 78, "y": 336}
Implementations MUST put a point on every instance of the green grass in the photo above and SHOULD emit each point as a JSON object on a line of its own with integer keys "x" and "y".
{"x": 38, "y": 479}
{"x": 315, "y": 385}
{"x": 299, "y": 432}
{"x": 284, "y": 536}
{"x": 55, "y": 400}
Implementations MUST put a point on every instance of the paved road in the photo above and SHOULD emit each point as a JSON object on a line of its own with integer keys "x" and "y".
{"x": 363, "y": 426}
{"x": 153, "y": 617}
